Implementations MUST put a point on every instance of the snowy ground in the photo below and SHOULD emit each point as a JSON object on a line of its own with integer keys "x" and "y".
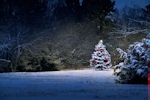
{"x": 68, "y": 85}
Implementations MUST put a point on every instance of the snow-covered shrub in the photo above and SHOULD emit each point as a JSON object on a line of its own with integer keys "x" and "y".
{"x": 134, "y": 68}
{"x": 47, "y": 66}
{"x": 36, "y": 64}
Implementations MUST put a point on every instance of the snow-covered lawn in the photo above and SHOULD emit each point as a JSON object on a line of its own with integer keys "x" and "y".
{"x": 85, "y": 84}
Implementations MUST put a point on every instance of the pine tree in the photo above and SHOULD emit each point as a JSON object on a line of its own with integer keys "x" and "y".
{"x": 134, "y": 69}
{"x": 101, "y": 59}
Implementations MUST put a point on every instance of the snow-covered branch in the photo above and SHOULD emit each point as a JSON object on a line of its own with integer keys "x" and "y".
{"x": 130, "y": 20}
{"x": 123, "y": 54}
{"x": 5, "y": 60}
{"x": 140, "y": 21}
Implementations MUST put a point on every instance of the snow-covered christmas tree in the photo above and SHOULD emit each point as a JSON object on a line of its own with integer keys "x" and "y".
{"x": 101, "y": 59}
{"x": 135, "y": 67}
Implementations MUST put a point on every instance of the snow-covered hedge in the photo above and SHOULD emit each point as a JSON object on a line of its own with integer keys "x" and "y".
{"x": 134, "y": 69}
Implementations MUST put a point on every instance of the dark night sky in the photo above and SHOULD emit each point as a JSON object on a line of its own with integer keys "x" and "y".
{"x": 121, "y": 3}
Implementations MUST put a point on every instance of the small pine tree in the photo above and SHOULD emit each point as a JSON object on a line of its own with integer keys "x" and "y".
{"x": 134, "y": 68}
{"x": 101, "y": 59}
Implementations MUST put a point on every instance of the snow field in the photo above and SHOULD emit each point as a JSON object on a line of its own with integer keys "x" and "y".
{"x": 85, "y": 84}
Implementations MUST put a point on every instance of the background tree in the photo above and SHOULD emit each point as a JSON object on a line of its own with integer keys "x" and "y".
{"x": 147, "y": 12}
{"x": 130, "y": 19}
{"x": 98, "y": 9}
{"x": 101, "y": 59}
{"x": 134, "y": 69}
{"x": 11, "y": 46}
{"x": 22, "y": 11}
{"x": 91, "y": 9}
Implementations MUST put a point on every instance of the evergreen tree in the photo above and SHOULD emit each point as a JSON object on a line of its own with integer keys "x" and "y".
{"x": 147, "y": 11}
{"x": 98, "y": 9}
{"x": 92, "y": 9}
{"x": 134, "y": 68}
{"x": 100, "y": 58}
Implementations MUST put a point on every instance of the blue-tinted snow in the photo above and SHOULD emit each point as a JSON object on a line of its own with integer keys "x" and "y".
{"x": 68, "y": 85}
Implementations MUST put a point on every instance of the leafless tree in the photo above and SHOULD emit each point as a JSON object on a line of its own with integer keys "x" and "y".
{"x": 12, "y": 46}
{"x": 130, "y": 19}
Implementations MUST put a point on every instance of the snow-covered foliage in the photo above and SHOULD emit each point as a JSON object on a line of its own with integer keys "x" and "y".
{"x": 80, "y": 2}
{"x": 134, "y": 68}
{"x": 123, "y": 54}
{"x": 100, "y": 58}
{"x": 6, "y": 43}
{"x": 12, "y": 47}
{"x": 52, "y": 5}
{"x": 130, "y": 19}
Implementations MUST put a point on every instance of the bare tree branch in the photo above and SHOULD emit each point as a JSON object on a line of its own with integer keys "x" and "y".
{"x": 5, "y": 60}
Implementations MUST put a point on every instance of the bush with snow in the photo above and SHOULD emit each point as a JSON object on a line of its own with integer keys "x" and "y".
{"x": 134, "y": 69}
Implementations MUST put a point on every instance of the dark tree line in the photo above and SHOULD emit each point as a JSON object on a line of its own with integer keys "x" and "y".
{"x": 19, "y": 17}
{"x": 20, "y": 20}
{"x": 23, "y": 11}
{"x": 92, "y": 9}
{"x": 30, "y": 11}
{"x": 147, "y": 11}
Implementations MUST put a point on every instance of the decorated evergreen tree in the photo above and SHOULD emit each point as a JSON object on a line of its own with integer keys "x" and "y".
{"x": 101, "y": 59}
{"x": 135, "y": 67}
